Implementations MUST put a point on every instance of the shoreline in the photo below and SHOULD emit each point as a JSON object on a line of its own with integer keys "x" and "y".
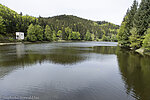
{"x": 143, "y": 51}
{"x": 10, "y": 43}
{"x": 26, "y": 42}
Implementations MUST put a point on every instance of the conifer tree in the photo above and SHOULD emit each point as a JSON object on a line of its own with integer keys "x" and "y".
{"x": 68, "y": 32}
{"x": 141, "y": 21}
{"x": 31, "y": 33}
{"x": 123, "y": 34}
{"x": 59, "y": 34}
{"x": 88, "y": 35}
{"x": 131, "y": 15}
{"x": 39, "y": 32}
{"x": 146, "y": 42}
{"x": 54, "y": 38}
{"x": 141, "y": 17}
{"x": 2, "y": 26}
{"x": 127, "y": 24}
{"x": 48, "y": 33}
{"x": 92, "y": 37}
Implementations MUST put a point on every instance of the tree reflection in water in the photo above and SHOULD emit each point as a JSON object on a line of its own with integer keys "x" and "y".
{"x": 134, "y": 68}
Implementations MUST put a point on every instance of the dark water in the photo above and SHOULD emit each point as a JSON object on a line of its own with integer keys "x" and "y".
{"x": 73, "y": 71}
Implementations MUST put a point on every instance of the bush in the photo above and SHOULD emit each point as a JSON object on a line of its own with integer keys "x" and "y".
{"x": 134, "y": 39}
{"x": 114, "y": 38}
{"x": 146, "y": 42}
{"x": 105, "y": 38}
{"x": 34, "y": 33}
{"x": 1, "y": 37}
{"x": 11, "y": 39}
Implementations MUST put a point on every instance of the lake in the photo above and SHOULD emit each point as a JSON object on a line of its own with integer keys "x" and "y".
{"x": 73, "y": 71}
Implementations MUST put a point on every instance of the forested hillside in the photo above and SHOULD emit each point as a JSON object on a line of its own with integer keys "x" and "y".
{"x": 63, "y": 27}
{"x": 83, "y": 26}
{"x": 135, "y": 29}
{"x": 10, "y": 22}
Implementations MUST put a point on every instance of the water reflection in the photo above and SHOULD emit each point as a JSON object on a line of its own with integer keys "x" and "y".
{"x": 29, "y": 57}
{"x": 23, "y": 55}
{"x": 135, "y": 71}
{"x": 26, "y": 56}
{"x": 95, "y": 71}
{"x": 20, "y": 50}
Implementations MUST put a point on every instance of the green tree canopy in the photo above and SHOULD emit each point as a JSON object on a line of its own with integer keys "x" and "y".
{"x": 34, "y": 33}
{"x": 88, "y": 35}
{"x": 59, "y": 34}
{"x": 54, "y": 38}
{"x": 48, "y": 33}
{"x": 127, "y": 24}
{"x": 76, "y": 36}
{"x": 2, "y": 26}
{"x": 134, "y": 39}
{"x": 146, "y": 42}
{"x": 68, "y": 32}
{"x": 31, "y": 33}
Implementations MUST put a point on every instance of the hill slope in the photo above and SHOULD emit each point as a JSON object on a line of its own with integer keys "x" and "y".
{"x": 11, "y": 21}
{"x": 80, "y": 25}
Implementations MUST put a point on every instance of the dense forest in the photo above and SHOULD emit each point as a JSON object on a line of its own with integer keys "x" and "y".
{"x": 63, "y": 27}
{"x": 135, "y": 29}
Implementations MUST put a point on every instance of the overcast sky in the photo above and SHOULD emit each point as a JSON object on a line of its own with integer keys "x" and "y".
{"x": 97, "y": 10}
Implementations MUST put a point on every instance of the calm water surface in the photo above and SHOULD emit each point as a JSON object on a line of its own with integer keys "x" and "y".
{"x": 73, "y": 71}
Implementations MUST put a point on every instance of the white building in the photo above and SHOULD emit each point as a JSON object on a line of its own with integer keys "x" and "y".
{"x": 19, "y": 35}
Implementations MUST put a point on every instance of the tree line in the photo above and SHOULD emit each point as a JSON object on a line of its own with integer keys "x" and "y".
{"x": 134, "y": 31}
{"x": 63, "y": 27}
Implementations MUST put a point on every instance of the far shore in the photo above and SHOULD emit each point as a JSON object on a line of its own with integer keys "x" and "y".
{"x": 141, "y": 51}
{"x": 26, "y": 42}
{"x": 9, "y": 43}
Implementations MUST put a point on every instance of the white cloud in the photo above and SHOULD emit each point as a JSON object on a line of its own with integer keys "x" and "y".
{"x": 109, "y": 10}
